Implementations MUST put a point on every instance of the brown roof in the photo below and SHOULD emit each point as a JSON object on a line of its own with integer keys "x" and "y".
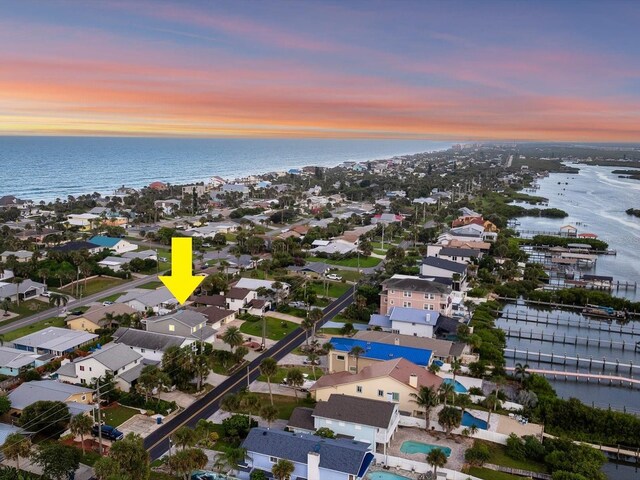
{"x": 469, "y": 244}
{"x": 238, "y": 293}
{"x": 399, "y": 369}
{"x": 95, "y": 314}
{"x": 215, "y": 300}
{"x": 256, "y": 303}
{"x": 363, "y": 411}
{"x": 215, "y": 314}
{"x": 302, "y": 417}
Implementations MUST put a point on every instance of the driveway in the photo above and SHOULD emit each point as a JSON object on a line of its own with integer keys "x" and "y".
{"x": 182, "y": 399}
{"x": 140, "y": 424}
{"x": 285, "y": 316}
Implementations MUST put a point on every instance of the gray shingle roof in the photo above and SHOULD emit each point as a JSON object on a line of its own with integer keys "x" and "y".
{"x": 444, "y": 264}
{"x": 189, "y": 318}
{"x": 339, "y": 455}
{"x": 363, "y": 411}
{"x": 147, "y": 340}
{"x": 415, "y": 284}
{"x": 56, "y": 339}
{"x": 114, "y": 356}
{"x": 302, "y": 417}
{"x": 460, "y": 252}
{"x": 30, "y": 392}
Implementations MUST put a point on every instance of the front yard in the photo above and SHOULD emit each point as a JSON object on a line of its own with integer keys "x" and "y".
{"x": 282, "y": 374}
{"x": 35, "y": 327}
{"x": 26, "y": 308}
{"x": 117, "y": 415}
{"x": 333, "y": 290}
{"x": 94, "y": 285}
{"x": 276, "y": 329}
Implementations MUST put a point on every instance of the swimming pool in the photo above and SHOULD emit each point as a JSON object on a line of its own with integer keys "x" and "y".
{"x": 457, "y": 387}
{"x": 410, "y": 447}
{"x": 469, "y": 420}
{"x": 385, "y": 476}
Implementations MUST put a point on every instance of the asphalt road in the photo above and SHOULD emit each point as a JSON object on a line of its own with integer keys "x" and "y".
{"x": 158, "y": 442}
{"x": 52, "y": 312}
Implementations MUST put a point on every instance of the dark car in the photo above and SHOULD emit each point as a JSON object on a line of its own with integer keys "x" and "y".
{"x": 108, "y": 432}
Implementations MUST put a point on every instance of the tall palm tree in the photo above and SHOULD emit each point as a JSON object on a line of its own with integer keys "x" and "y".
{"x": 58, "y": 300}
{"x": 492, "y": 402}
{"x": 81, "y": 425}
{"x": 306, "y": 325}
{"x": 437, "y": 458}
{"x": 312, "y": 358}
{"x": 282, "y": 470}
{"x": 5, "y": 305}
{"x": 355, "y": 352}
{"x": 426, "y": 399}
{"x": 268, "y": 368}
{"x": 250, "y": 403}
{"x": 232, "y": 457}
{"x": 521, "y": 372}
{"x": 15, "y": 446}
{"x": 295, "y": 379}
{"x": 230, "y": 403}
{"x": 456, "y": 365}
{"x": 233, "y": 337}
{"x": 446, "y": 390}
{"x": 315, "y": 316}
{"x": 269, "y": 413}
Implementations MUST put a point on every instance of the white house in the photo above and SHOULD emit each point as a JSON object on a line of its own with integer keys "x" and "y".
{"x": 82, "y": 219}
{"x": 240, "y": 298}
{"x": 160, "y": 300}
{"x": 117, "y": 245}
{"x": 168, "y": 206}
{"x": 407, "y": 321}
{"x": 150, "y": 345}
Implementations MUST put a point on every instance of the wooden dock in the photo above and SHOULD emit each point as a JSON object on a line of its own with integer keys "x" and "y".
{"x": 565, "y": 339}
{"x": 619, "y": 450}
{"x": 594, "y": 325}
{"x": 611, "y": 379}
{"x": 559, "y": 306}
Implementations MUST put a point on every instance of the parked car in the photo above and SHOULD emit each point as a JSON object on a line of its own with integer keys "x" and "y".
{"x": 206, "y": 245}
{"x": 163, "y": 259}
{"x": 108, "y": 432}
{"x": 107, "y": 303}
{"x": 45, "y": 294}
{"x": 333, "y": 276}
{"x": 77, "y": 312}
{"x": 298, "y": 304}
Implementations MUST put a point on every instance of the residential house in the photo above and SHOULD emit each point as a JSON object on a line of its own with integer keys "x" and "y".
{"x": 238, "y": 299}
{"x": 168, "y": 206}
{"x": 21, "y": 256}
{"x": 460, "y": 255}
{"x": 13, "y": 361}
{"x": 255, "y": 284}
{"x": 78, "y": 399}
{"x": 114, "y": 263}
{"x": 311, "y": 269}
{"x": 393, "y": 380}
{"x": 150, "y": 345}
{"x": 362, "y": 419}
{"x": 160, "y": 300}
{"x": 115, "y": 359}
{"x": 99, "y": 317}
{"x": 25, "y": 290}
{"x": 313, "y": 457}
{"x": 77, "y": 246}
{"x": 54, "y": 340}
{"x": 443, "y": 350}
{"x": 333, "y": 247}
{"x": 117, "y": 245}
{"x": 436, "y": 268}
{"x": 340, "y": 359}
{"x": 85, "y": 221}
{"x": 199, "y": 190}
{"x": 184, "y": 323}
{"x": 235, "y": 188}
{"x": 406, "y": 321}
{"x": 415, "y": 292}
{"x": 216, "y": 316}
{"x": 142, "y": 255}
{"x": 386, "y": 218}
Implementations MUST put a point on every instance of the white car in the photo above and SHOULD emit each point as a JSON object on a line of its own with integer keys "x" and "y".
{"x": 45, "y": 294}
{"x": 333, "y": 276}
{"x": 107, "y": 303}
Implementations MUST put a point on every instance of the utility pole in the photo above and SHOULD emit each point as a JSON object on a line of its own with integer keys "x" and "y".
{"x": 99, "y": 417}
{"x": 263, "y": 345}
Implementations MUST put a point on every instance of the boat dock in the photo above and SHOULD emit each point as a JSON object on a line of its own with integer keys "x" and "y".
{"x": 565, "y": 339}
{"x": 577, "y": 323}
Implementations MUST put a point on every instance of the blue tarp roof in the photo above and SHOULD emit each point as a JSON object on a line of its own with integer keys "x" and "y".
{"x": 383, "y": 351}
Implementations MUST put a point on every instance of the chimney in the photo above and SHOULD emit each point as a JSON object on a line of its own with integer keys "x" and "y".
{"x": 413, "y": 380}
{"x": 313, "y": 466}
{"x": 396, "y": 342}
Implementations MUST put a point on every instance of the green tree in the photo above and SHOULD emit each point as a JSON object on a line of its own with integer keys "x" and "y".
{"x": 184, "y": 437}
{"x": 58, "y": 300}
{"x": 449, "y": 418}
{"x": 56, "y": 460}
{"x": 492, "y": 402}
{"x": 131, "y": 457}
{"x": 456, "y": 365}
{"x": 269, "y": 368}
{"x": 477, "y": 455}
{"x": 295, "y": 379}
{"x": 81, "y": 425}
{"x": 5, "y": 402}
{"x": 521, "y": 372}
{"x": 47, "y": 417}
{"x": 282, "y": 470}
{"x": 15, "y": 446}
{"x": 269, "y": 414}
{"x": 437, "y": 458}
{"x": 150, "y": 379}
{"x": 232, "y": 457}
{"x": 5, "y": 305}
{"x": 325, "y": 432}
{"x": 447, "y": 390}
{"x": 233, "y": 337}
{"x": 187, "y": 460}
{"x": 425, "y": 399}
{"x": 355, "y": 352}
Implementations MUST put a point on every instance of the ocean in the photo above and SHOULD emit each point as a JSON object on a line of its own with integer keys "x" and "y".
{"x": 46, "y": 168}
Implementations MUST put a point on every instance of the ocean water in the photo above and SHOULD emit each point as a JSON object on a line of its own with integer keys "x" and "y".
{"x": 45, "y": 168}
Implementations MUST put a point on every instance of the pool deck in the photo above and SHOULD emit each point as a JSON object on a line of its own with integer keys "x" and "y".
{"x": 458, "y": 445}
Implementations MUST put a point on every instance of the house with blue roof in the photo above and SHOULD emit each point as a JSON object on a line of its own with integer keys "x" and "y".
{"x": 343, "y": 357}
{"x": 117, "y": 245}
{"x": 406, "y": 321}
{"x": 313, "y": 457}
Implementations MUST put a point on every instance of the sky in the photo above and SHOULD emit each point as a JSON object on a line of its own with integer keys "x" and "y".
{"x": 441, "y": 70}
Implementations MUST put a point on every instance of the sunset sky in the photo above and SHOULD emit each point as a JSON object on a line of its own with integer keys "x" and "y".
{"x": 512, "y": 70}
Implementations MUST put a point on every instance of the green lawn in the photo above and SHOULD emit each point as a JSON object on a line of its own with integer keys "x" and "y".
{"x": 95, "y": 285}
{"x": 487, "y": 474}
{"x": 116, "y": 416}
{"x": 150, "y": 286}
{"x": 282, "y": 374}
{"x": 166, "y": 253}
{"x": 329, "y": 331}
{"x": 334, "y": 290}
{"x": 25, "y": 309}
{"x": 35, "y": 327}
{"x": 348, "y": 275}
{"x": 276, "y": 329}
{"x": 285, "y": 404}
{"x": 499, "y": 457}
{"x": 365, "y": 262}
{"x": 112, "y": 298}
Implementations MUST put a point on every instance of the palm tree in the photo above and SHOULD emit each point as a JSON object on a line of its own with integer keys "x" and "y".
{"x": 282, "y": 470}
{"x": 307, "y": 325}
{"x": 520, "y": 372}
{"x": 434, "y": 368}
{"x": 268, "y": 368}
{"x": 233, "y": 337}
{"x": 315, "y": 316}
{"x": 456, "y": 364}
{"x": 81, "y": 425}
{"x": 201, "y": 364}
{"x": 492, "y": 402}
{"x": 58, "y": 300}
{"x": 355, "y": 352}
{"x": 446, "y": 390}
{"x": 5, "y": 305}
{"x": 250, "y": 403}
{"x": 230, "y": 403}
{"x": 295, "y": 379}
{"x": 232, "y": 457}
{"x": 437, "y": 458}
{"x": 15, "y": 446}
{"x": 184, "y": 437}
{"x": 426, "y": 399}
{"x": 269, "y": 413}
{"x": 312, "y": 358}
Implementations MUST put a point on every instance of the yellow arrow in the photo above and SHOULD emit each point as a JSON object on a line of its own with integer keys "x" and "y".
{"x": 181, "y": 283}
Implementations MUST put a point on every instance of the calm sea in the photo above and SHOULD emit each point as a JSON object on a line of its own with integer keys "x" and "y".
{"x": 45, "y": 168}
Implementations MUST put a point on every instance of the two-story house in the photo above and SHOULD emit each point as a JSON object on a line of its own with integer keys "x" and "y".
{"x": 437, "y": 268}
{"x": 184, "y": 323}
{"x": 393, "y": 381}
{"x": 238, "y": 299}
{"x": 115, "y": 359}
{"x": 363, "y": 419}
{"x": 460, "y": 255}
{"x": 406, "y": 321}
{"x": 149, "y": 345}
{"x": 415, "y": 292}
{"x": 160, "y": 300}
{"x": 313, "y": 457}
{"x": 342, "y": 358}
{"x": 78, "y": 399}
{"x": 117, "y": 245}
